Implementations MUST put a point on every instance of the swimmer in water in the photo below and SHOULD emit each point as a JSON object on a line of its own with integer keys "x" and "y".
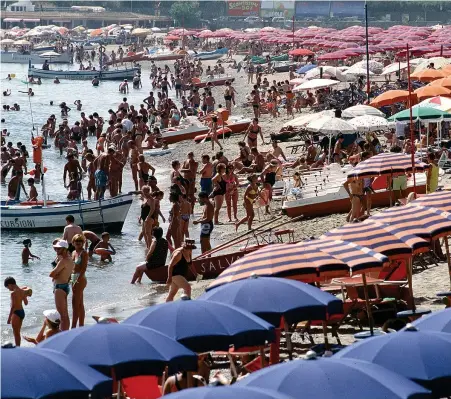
{"x": 26, "y": 253}
{"x": 78, "y": 104}
{"x": 105, "y": 244}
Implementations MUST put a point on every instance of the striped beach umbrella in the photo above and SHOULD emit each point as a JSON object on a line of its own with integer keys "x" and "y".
{"x": 306, "y": 261}
{"x": 440, "y": 200}
{"x": 386, "y": 163}
{"x": 427, "y": 223}
{"x": 381, "y": 238}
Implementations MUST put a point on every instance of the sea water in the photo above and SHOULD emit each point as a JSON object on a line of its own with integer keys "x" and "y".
{"x": 109, "y": 292}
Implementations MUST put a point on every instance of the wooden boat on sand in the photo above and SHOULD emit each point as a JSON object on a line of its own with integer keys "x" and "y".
{"x": 323, "y": 192}
{"x": 210, "y": 265}
{"x": 215, "y": 81}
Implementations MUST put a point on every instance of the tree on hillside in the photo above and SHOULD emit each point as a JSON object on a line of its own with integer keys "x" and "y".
{"x": 185, "y": 13}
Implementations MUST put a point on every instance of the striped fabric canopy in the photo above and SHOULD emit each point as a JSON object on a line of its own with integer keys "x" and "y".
{"x": 306, "y": 261}
{"x": 381, "y": 238}
{"x": 428, "y": 223}
{"x": 440, "y": 200}
{"x": 386, "y": 163}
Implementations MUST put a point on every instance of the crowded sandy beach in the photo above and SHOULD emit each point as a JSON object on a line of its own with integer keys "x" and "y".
{"x": 260, "y": 212}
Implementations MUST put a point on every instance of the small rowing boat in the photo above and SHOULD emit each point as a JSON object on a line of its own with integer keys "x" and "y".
{"x": 215, "y": 81}
{"x": 323, "y": 192}
{"x": 211, "y": 55}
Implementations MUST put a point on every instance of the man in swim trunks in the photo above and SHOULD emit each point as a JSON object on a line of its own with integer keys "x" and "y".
{"x": 144, "y": 168}
{"x": 93, "y": 238}
{"x": 206, "y": 174}
{"x": 188, "y": 171}
{"x": 72, "y": 168}
{"x": 17, "y": 314}
{"x": 115, "y": 172}
{"x": 206, "y": 222}
{"x": 70, "y": 231}
{"x": 101, "y": 165}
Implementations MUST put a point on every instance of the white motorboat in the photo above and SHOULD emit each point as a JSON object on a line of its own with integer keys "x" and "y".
{"x": 107, "y": 214}
{"x": 114, "y": 74}
{"x": 13, "y": 57}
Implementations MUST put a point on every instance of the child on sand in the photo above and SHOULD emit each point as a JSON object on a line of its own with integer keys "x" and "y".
{"x": 26, "y": 254}
{"x": 105, "y": 244}
{"x": 17, "y": 314}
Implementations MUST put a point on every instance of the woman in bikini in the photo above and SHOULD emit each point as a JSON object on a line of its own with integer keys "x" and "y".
{"x": 147, "y": 213}
{"x": 252, "y": 133}
{"x": 250, "y": 196}
{"x": 231, "y": 195}
{"x": 80, "y": 258}
{"x": 213, "y": 133}
{"x": 219, "y": 190}
{"x": 173, "y": 234}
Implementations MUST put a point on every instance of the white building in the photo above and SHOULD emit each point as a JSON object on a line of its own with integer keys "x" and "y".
{"x": 21, "y": 6}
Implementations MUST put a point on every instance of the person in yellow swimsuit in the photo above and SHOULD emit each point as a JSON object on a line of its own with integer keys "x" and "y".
{"x": 432, "y": 174}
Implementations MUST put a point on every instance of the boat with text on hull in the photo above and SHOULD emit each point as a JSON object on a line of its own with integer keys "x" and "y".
{"x": 107, "y": 214}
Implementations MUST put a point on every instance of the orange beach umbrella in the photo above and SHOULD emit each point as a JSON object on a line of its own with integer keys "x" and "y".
{"x": 392, "y": 97}
{"x": 443, "y": 82}
{"x": 427, "y": 75}
{"x": 432, "y": 91}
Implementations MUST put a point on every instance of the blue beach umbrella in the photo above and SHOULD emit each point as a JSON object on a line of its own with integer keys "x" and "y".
{"x": 330, "y": 378}
{"x": 420, "y": 356}
{"x": 126, "y": 349}
{"x": 437, "y": 321}
{"x": 229, "y": 392}
{"x": 33, "y": 374}
{"x": 271, "y": 298}
{"x": 204, "y": 326}
{"x": 305, "y": 68}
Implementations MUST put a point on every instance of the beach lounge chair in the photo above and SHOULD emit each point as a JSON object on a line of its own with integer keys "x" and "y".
{"x": 141, "y": 387}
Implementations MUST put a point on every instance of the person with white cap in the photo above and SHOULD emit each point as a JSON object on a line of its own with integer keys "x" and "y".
{"x": 61, "y": 276}
{"x": 50, "y": 327}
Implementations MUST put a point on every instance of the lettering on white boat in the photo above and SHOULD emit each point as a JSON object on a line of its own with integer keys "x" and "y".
{"x": 17, "y": 224}
{"x": 219, "y": 264}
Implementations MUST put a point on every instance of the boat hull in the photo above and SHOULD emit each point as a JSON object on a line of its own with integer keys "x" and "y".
{"x": 189, "y": 133}
{"x": 336, "y": 204}
{"x": 119, "y": 74}
{"x": 130, "y": 58}
{"x": 14, "y": 58}
{"x": 214, "y": 82}
{"x": 209, "y": 268}
{"x": 108, "y": 214}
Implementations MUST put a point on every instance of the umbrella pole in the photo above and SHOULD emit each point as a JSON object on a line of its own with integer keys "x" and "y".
{"x": 288, "y": 338}
{"x": 326, "y": 340}
{"x": 367, "y": 303}
{"x": 447, "y": 256}
{"x": 411, "y": 122}
{"x": 410, "y": 281}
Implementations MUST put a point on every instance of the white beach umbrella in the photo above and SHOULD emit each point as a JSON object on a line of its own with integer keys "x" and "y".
{"x": 155, "y": 29}
{"x": 329, "y": 125}
{"x": 49, "y": 54}
{"x": 316, "y": 84}
{"x": 22, "y": 42}
{"x": 395, "y": 67}
{"x": 375, "y": 67}
{"x": 7, "y": 41}
{"x": 328, "y": 72}
{"x": 297, "y": 81}
{"x": 357, "y": 71}
{"x": 303, "y": 120}
{"x": 360, "y": 110}
{"x": 138, "y": 32}
{"x": 369, "y": 123}
{"x": 439, "y": 62}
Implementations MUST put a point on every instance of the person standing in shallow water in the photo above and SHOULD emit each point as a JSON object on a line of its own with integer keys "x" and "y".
{"x": 180, "y": 262}
{"x": 61, "y": 276}
{"x": 79, "y": 282}
{"x": 206, "y": 222}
